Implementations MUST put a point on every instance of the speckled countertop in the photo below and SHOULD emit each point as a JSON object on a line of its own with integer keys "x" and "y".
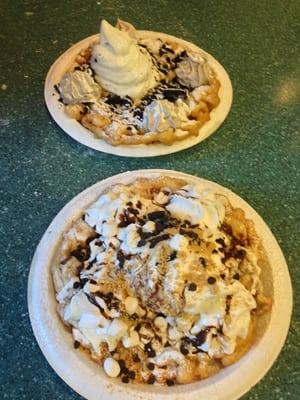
{"x": 255, "y": 152}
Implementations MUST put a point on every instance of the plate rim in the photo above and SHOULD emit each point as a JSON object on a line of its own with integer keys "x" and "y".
{"x": 285, "y": 308}
{"x": 77, "y": 132}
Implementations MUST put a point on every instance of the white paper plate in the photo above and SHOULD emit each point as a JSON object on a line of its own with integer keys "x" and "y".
{"x": 84, "y": 136}
{"x": 88, "y": 379}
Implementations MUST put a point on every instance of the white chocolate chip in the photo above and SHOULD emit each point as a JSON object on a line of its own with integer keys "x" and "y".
{"x": 149, "y": 226}
{"x": 161, "y": 198}
{"x": 131, "y": 305}
{"x": 111, "y": 367}
{"x": 161, "y": 323}
{"x": 131, "y": 340}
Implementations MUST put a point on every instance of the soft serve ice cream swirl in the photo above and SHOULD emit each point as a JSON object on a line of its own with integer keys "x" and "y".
{"x": 120, "y": 65}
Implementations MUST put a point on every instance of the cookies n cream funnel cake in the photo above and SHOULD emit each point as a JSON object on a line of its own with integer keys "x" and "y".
{"x": 160, "y": 281}
{"x": 133, "y": 90}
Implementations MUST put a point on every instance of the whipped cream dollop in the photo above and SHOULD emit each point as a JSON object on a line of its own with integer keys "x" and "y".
{"x": 193, "y": 71}
{"x": 120, "y": 65}
{"x": 161, "y": 115}
{"x": 220, "y": 305}
{"x": 197, "y": 205}
{"x": 79, "y": 86}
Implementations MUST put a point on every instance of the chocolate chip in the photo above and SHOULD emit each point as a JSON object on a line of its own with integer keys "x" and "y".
{"x": 221, "y": 242}
{"x": 115, "y": 100}
{"x": 136, "y": 358}
{"x": 211, "y": 280}
{"x": 133, "y": 211}
{"x": 157, "y": 215}
{"x": 123, "y": 224}
{"x": 81, "y": 253}
{"x": 173, "y": 255}
{"x": 201, "y": 336}
{"x": 236, "y": 276}
{"x": 133, "y": 317}
{"x": 139, "y": 204}
{"x": 150, "y": 352}
{"x": 56, "y": 89}
{"x": 141, "y": 243}
{"x": 138, "y": 327}
{"x": 125, "y": 379}
{"x": 83, "y": 281}
{"x": 191, "y": 234}
{"x": 150, "y": 366}
{"x": 173, "y": 94}
{"x": 239, "y": 254}
{"x": 122, "y": 364}
{"x": 131, "y": 374}
{"x": 227, "y": 229}
{"x": 110, "y": 296}
{"x": 228, "y": 302}
{"x": 202, "y": 261}
{"x": 192, "y": 287}
{"x": 76, "y": 285}
{"x": 121, "y": 258}
{"x": 76, "y": 344}
{"x": 157, "y": 239}
{"x": 215, "y": 251}
{"x": 115, "y": 304}
{"x": 222, "y": 276}
{"x": 184, "y": 350}
{"x": 145, "y": 235}
{"x": 151, "y": 380}
{"x": 170, "y": 382}
{"x": 160, "y": 226}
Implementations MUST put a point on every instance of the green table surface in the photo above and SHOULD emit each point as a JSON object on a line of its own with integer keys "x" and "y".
{"x": 255, "y": 152}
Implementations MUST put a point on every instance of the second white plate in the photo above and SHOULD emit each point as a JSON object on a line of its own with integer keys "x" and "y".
{"x": 87, "y": 378}
{"x": 84, "y": 136}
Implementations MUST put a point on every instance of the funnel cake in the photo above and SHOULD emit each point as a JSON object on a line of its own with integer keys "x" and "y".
{"x": 160, "y": 281}
{"x": 130, "y": 90}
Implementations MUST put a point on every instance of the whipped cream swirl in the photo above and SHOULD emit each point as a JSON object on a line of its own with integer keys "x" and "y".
{"x": 77, "y": 87}
{"x": 161, "y": 115}
{"x": 121, "y": 66}
{"x": 193, "y": 71}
